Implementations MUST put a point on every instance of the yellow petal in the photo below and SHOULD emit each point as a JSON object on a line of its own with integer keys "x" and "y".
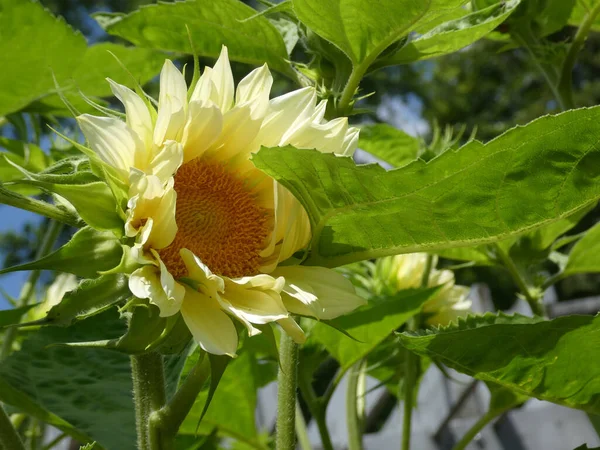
{"x": 159, "y": 287}
{"x": 324, "y": 292}
{"x": 172, "y": 103}
{"x": 254, "y": 91}
{"x": 138, "y": 115}
{"x": 211, "y": 328}
{"x": 115, "y": 143}
{"x": 209, "y": 283}
{"x": 167, "y": 161}
{"x": 290, "y": 326}
{"x": 254, "y": 300}
{"x": 222, "y": 79}
{"x": 203, "y": 127}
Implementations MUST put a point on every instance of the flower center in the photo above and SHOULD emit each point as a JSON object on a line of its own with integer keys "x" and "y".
{"x": 218, "y": 219}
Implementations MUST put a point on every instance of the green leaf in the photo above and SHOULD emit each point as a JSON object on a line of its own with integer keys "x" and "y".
{"x": 585, "y": 255}
{"x": 369, "y": 325}
{"x": 503, "y": 398}
{"x": 211, "y": 24}
{"x": 90, "y": 298}
{"x": 13, "y": 316}
{"x": 389, "y": 144}
{"x": 232, "y": 409}
{"x": 528, "y": 177}
{"x": 95, "y": 66}
{"x": 549, "y": 360}
{"x": 91, "y": 446}
{"x": 453, "y": 35}
{"x": 87, "y": 253}
{"x": 363, "y": 31}
{"x": 93, "y": 201}
{"x": 89, "y": 389}
{"x": 34, "y": 45}
{"x": 585, "y": 447}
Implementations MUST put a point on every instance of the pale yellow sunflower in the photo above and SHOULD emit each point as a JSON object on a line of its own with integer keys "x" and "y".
{"x": 394, "y": 273}
{"x": 211, "y": 230}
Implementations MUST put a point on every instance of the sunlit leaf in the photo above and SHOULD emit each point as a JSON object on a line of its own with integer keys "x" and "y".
{"x": 549, "y": 360}
{"x": 363, "y": 31}
{"x": 389, "y": 144}
{"x": 88, "y": 252}
{"x": 526, "y": 178}
{"x": 453, "y": 35}
{"x": 585, "y": 255}
{"x": 368, "y": 326}
{"x": 211, "y": 24}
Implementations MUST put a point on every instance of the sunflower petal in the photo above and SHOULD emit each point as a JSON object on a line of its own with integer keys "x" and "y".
{"x": 159, "y": 287}
{"x": 172, "y": 103}
{"x": 211, "y": 327}
{"x": 324, "y": 292}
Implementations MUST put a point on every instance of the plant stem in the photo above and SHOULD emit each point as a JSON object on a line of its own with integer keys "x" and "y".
{"x": 166, "y": 421}
{"x": 410, "y": 378}
{"x": 317, "y": 408}
{"x": 534, "y": 301}
{"x": 355, "y": 397}
{"x": 9, "y": 438}
{"x": 28, "y": 289}
{"x": 11, "y": 198}
{"x": 565, "y": 82}
{"x": 287, "y": 380}
{"x": 525, "y": 37}
{"x": 148, "y": 395}
{"x": 474, "y": 430}
{"x": 301, "y": 432}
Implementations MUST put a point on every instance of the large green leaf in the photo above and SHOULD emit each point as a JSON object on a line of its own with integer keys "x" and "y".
{"x": 368, "y": 326}
{"x": 389, "y": 144}
{"x": 232, "y": 409}
{"x": 36, "y": 47}
{"x": 33, "y": 45}
{"x": 95, "y": 66}
{"x": 528, "y": 177}
{"x": 549, "y": 360}
{"x": 453, "y": 35}
{"x": 585, "y": 255}
{"x": 363, "y": 30}
{"x": 88, "y": 388}
{"x": 250, "y": 38}
{"x": 87, "y": 253}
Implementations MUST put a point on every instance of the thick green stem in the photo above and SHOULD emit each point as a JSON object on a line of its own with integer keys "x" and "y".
{"x": 46, "y": 245}
{"x": 148, "y": 395}
{"x": 355, "y": 405}
{"x": 286, "y": 394}
{"x": 565, "y": 82}
{"x": 533, "y": 299}
{"x": 9, "y": 438}
{"x": 165, "y": 422}
{"x": 474, "y": 430}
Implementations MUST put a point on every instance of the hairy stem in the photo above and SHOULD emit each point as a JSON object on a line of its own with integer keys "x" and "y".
{"x": 286, "y": 394}
{"x": 148, "y": 396}
{"x": 45, "y": 247}
{"x": 9, "y": 438}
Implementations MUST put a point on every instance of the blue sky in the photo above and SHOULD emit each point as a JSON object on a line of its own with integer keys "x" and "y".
{"x": 13, "y": 219}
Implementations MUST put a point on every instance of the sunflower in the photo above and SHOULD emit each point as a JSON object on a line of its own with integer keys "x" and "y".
{"x": 208, "y": 229}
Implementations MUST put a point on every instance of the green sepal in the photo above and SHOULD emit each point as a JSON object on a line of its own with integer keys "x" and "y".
{"x": 88, "y": 253}
{"x": 127, "y": 264}
{"x": 91, "y": 297}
